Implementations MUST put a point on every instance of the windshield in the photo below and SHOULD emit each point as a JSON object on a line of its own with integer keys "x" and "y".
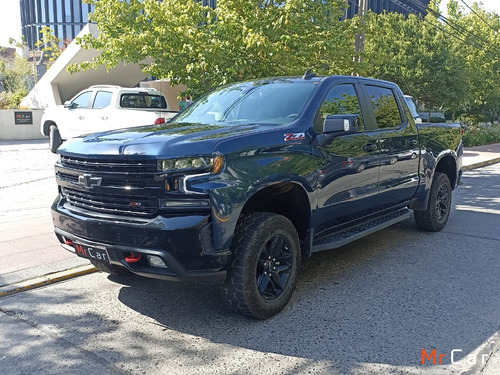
{"x": 275, "y": 102}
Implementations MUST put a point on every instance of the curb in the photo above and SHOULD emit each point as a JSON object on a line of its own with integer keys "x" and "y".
{"x": 481, "y": 164}
{"x": 46, "y": 280}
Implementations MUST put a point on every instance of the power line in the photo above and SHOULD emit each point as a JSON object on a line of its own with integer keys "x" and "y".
{"x": 478, "y": 41}
{"x": 481, "y": 18}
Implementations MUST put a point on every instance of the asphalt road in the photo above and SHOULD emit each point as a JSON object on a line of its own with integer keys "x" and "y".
{"x": 367, "y": 308}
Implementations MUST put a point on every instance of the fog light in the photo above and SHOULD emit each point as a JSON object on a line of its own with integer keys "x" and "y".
{"x": 155, "y": 261}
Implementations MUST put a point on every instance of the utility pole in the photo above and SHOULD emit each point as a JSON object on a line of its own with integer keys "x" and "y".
{"x": 359, "y": 44}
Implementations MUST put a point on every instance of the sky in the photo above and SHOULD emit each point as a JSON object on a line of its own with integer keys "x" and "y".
{"x": 10, "y": 21}
{"x": 10, "y": 18}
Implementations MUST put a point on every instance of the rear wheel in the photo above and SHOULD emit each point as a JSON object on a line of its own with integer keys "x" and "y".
{"x": 54, "y": 138}
{"x": 435, "y": 217}
{"x": 265, "y": 267}
{"x": 111, "y": 268}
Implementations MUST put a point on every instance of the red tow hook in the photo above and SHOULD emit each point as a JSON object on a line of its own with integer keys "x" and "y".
{"x": 132, "y": 258}
{"x": 68, "y": 242}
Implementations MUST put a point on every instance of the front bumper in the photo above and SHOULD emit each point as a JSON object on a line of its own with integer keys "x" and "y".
{"x": 183, "y": 243}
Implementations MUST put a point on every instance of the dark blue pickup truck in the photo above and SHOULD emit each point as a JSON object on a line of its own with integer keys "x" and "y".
{"x": 250, "y": 179}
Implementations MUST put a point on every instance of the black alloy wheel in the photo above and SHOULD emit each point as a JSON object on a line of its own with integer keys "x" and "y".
{"x": 435, "y": 217}
{"x": 273, "y": 268}
{"x": 265, "y": 265}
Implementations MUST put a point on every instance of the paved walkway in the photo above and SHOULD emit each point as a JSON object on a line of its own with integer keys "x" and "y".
{"x": 481, "y": 156}
{"x": 36, "y": 258}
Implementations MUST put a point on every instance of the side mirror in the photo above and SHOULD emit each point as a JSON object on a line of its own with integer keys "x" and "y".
{"x": 341, "y": 124}
{"x": 68, "y": 104}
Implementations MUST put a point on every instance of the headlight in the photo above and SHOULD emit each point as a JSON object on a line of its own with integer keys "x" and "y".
{"x": 211, "y": 164}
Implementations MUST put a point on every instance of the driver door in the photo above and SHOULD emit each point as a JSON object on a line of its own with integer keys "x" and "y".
{"x": 75, "y": 119}
{"x": 348, "y": 184}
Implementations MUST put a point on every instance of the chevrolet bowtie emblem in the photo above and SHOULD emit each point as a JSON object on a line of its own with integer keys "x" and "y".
{"x": 88, "y": 181}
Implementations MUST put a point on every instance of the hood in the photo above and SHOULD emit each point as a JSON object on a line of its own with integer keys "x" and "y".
{"x": 168, "y": 140}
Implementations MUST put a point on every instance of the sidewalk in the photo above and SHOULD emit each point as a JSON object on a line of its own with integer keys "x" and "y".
{"x": 480, "y": 156}
{"x": 31, "y": 256}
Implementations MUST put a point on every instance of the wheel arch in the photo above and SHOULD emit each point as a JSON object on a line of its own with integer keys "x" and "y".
{"x": 448, "y": 166}
{"x": 288, "y": 199}
{"x": 46, "y": 126}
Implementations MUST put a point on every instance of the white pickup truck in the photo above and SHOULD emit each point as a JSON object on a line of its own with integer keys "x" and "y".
{"x": 104, "y": 107}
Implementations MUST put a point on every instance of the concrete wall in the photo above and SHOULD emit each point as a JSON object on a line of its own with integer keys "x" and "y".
{"x": 58, "y": 86}
{"x": 27, "y": 127}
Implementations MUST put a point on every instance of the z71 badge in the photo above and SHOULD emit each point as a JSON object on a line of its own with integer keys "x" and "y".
{"x": 294, "y": 136}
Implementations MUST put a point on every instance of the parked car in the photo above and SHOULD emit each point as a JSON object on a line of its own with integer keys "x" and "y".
{"x": 252, "y": 178}
{"x": 410, "y": 102}
{"x": 104, "y": 107}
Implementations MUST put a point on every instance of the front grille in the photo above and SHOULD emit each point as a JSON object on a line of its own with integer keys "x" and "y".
{"x": 131, "y": 205}
{"x": 141, "y": 181}
{"x": 115, "y": 166}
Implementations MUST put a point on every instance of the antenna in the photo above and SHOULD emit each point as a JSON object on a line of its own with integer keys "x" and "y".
{"x": 308, "y": 74}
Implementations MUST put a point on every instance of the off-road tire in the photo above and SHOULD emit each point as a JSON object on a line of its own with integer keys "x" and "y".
{"x": 111, "y": 268}
{"x": 55, "y": 139}
{"x": 263, "y": 244}
{"x": 435, "y": 217}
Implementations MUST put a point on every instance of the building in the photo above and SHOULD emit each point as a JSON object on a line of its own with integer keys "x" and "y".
{"x": 66, "y": 17}
{"x": 398, "y": 6}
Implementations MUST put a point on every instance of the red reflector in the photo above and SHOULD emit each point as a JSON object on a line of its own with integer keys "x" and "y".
{"x": 132, "y": 258}
{"x": 159, "y": 121}
{"x": 68, "y": 242}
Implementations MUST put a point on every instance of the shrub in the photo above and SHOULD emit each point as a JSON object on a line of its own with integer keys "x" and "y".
{"x": 481, "y": 134}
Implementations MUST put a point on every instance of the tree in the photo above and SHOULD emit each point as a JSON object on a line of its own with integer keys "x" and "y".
{"x": 479, "y": 45}
{"x": 418, "y": 55}
{"x": 49, "y": 44}
{"x": 15, "y": 82}
{"x": 185, "y": 42}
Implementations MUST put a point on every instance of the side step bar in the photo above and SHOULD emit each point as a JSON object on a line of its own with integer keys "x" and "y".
{"x": 353, "y": 233}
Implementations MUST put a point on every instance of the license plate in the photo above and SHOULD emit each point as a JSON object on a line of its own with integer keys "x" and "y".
{"x": 100, "y": 255}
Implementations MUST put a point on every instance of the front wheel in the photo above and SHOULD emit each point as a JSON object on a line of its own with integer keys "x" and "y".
{"x": 435, "y": 217}
{"x": 265, "y": 266}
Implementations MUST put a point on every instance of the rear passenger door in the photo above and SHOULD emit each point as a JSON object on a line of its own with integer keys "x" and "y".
{"x": 397, "y": 143}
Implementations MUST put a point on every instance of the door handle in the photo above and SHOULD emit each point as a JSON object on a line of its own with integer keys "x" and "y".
{"x": 370, "y": 147}
{"x": 81, "y": 117}
{"x": 104, "y": 117}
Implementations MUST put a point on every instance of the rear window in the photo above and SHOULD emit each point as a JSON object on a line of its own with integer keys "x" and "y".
{"x": 142, "y": 100}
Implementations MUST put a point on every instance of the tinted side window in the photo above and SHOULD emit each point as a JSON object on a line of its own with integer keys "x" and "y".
{"x": 82, "y": 100}
{"x": 341, "y": 100}
{"x": 102, "y": 99}
{"x": 385, "y": 106}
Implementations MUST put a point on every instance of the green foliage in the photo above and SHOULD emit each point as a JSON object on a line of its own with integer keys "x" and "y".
{"x": 481, "y": 134}
{"x": 188, "y": 43}
{"x": 15, "y": 82}
{"x": 417, "y": 55}
{"x": 49, "y": 44}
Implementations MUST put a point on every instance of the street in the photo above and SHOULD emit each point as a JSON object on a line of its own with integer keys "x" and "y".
{"x": 371, "y": 307}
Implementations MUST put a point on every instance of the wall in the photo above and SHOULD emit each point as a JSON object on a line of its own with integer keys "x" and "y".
{"x": 10, "y": 130}
{"x": 170, "y": 93}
